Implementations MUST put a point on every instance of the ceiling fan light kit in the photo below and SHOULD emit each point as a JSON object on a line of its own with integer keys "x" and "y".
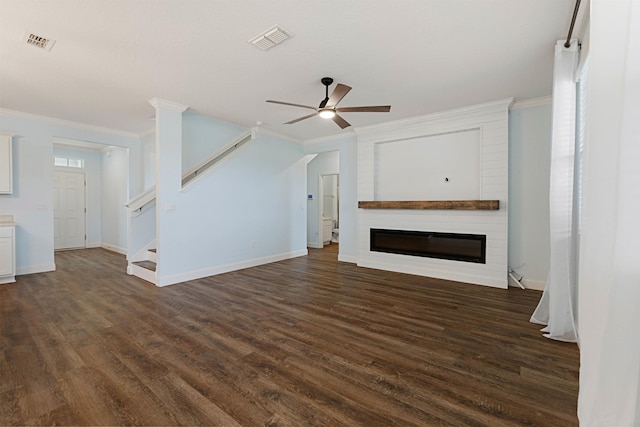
{"x": 327, "y": 108}
{"x": 327, "y": 113}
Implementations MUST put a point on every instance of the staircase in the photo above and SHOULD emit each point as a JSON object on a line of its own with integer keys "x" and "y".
{"x": 146, "y": 269}
{"x": 141, "y": 252}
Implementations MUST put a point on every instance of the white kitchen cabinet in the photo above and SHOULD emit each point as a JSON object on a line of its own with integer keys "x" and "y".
{"x": 6, "y": 164}
{"x": 7, "y": 252}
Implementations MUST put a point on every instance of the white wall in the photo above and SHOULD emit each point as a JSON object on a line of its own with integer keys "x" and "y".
{"x": 114, "y": 194}
{"x": 347, "y": 146}
{"x": 322, "y": 164}
{"x": 32, "y": 201}
{"x": 529, "y": 163}
{"x": 492, "y": 120}
{"x": 93, "y": 172}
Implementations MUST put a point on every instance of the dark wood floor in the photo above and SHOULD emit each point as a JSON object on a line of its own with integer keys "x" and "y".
{"x": 302, "y": 342}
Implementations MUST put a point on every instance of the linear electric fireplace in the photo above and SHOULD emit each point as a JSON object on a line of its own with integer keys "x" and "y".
{"x": 453, "y": 246}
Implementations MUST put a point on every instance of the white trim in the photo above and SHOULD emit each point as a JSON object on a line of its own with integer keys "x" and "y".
{"x": 147, "y": 132}
{"x": 485, "y": 108}
{"x": 315, "y": 245}
{"x": 212, "y": 271}
{"x": 170, "y": 105}
{"x": 94, "y": 245}
{"x": 33, "y": 269}
{"x": 538, "y": 285}
{"x": 114, "y": 248}
{"x": 329, "y": 138}
{"x": 80, "y": 145}
{"x": 269, "y": 132}
{"x": 68, "y": 123}
{"x": 531, "y": 102}
{"x": 348, "y": 258}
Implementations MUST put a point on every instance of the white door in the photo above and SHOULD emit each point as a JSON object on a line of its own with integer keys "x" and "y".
{"x": 68, "y": 210}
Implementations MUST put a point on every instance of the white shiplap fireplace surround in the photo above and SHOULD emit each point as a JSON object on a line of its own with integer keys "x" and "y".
{"x": 478, "y": 170}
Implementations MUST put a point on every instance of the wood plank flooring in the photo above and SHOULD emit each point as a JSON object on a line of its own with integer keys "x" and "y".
{"x": 302, "y": 342}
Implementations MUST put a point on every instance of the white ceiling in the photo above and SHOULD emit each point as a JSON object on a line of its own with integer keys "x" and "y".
{"x": 419, "y": 56}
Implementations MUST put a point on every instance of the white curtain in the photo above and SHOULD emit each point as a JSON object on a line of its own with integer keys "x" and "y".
{"x": 556, "y": 309}
{"x": 609, "y": 299}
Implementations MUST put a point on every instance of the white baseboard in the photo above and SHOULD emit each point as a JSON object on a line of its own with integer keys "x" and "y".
{"x": 32, "y": 269}
{"x": 220, "y": 269}
{"x": 93, "y": 245}
{"x": 534, "y": 284}
{"x": 537, "y": 285}
{"x": 348, "y": 258}
{"x": 114, "y": 248}
{"x": 315, "y": 245}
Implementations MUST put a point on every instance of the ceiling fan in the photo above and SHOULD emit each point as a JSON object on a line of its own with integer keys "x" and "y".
{"x": 327, "y": 108}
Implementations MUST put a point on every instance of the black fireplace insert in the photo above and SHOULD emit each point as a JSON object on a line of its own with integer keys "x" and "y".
{"x": 453, "y": 246}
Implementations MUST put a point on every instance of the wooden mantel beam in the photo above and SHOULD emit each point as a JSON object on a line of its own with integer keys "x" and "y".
{"x": 467, "y": 205}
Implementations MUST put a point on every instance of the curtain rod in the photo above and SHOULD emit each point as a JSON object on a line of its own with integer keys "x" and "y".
{"x": 573, "y": 21}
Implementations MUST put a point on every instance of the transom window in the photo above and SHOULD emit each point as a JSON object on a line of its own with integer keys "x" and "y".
{"x": 69, "y": 162}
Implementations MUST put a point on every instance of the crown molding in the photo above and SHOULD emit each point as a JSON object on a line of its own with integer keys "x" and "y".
{"x": 531, "y": 102}
{"x": 487, "y": 107}
{"x": 333, "y": 137}
{"x": 264, "y": 131}
{"x": 147, "y": 132}
{"x": 159, "y": 102}
{"x": 61, "y": 122}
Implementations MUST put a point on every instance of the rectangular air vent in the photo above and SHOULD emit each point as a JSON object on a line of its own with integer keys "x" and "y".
{"x": 270, "y": 38}
{"x": 40, "y": 42}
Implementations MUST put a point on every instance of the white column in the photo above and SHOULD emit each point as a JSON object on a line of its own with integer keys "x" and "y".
{"x": 168, "y": 179}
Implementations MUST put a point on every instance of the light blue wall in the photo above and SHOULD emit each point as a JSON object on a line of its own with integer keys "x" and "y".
{"x": 529, "y": 165}
{"x": 93, "y": 171}
{"x": 202, "y": 136}
{"x": 32, "y": 201}
{"x": 114, "y": 196}
{"x": 249, "y": 208}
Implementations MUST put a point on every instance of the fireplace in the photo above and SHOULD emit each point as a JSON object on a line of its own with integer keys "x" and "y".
{"x": 452, "y": 246}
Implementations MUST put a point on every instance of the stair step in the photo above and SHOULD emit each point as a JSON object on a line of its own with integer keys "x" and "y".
{"x": 149, "y": 265}
{"x": 152, "y": 255}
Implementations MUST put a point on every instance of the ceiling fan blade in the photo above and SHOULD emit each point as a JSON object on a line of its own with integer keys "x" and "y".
{"x": 338, "y": 93}
{"x": 289, "y": 103}
{"x": 300, "y": 119}
{"x": 341, "y": 122}
{"x": 371, "y": 109}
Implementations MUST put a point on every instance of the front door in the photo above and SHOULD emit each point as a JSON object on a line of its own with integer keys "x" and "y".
{"x": 69, "y": 210}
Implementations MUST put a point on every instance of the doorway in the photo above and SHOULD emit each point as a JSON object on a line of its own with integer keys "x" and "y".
{"x": 324, "y": 201}
{"x": 329, "y": 208}
{"x": 69, "y": 210}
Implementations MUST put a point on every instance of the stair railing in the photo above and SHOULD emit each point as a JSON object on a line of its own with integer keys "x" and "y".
{"x": 143, "y": 200}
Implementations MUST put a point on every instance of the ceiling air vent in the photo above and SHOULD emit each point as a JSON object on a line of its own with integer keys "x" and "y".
{"x": 270, "y": 38}
{"x": 38, "y": 41}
